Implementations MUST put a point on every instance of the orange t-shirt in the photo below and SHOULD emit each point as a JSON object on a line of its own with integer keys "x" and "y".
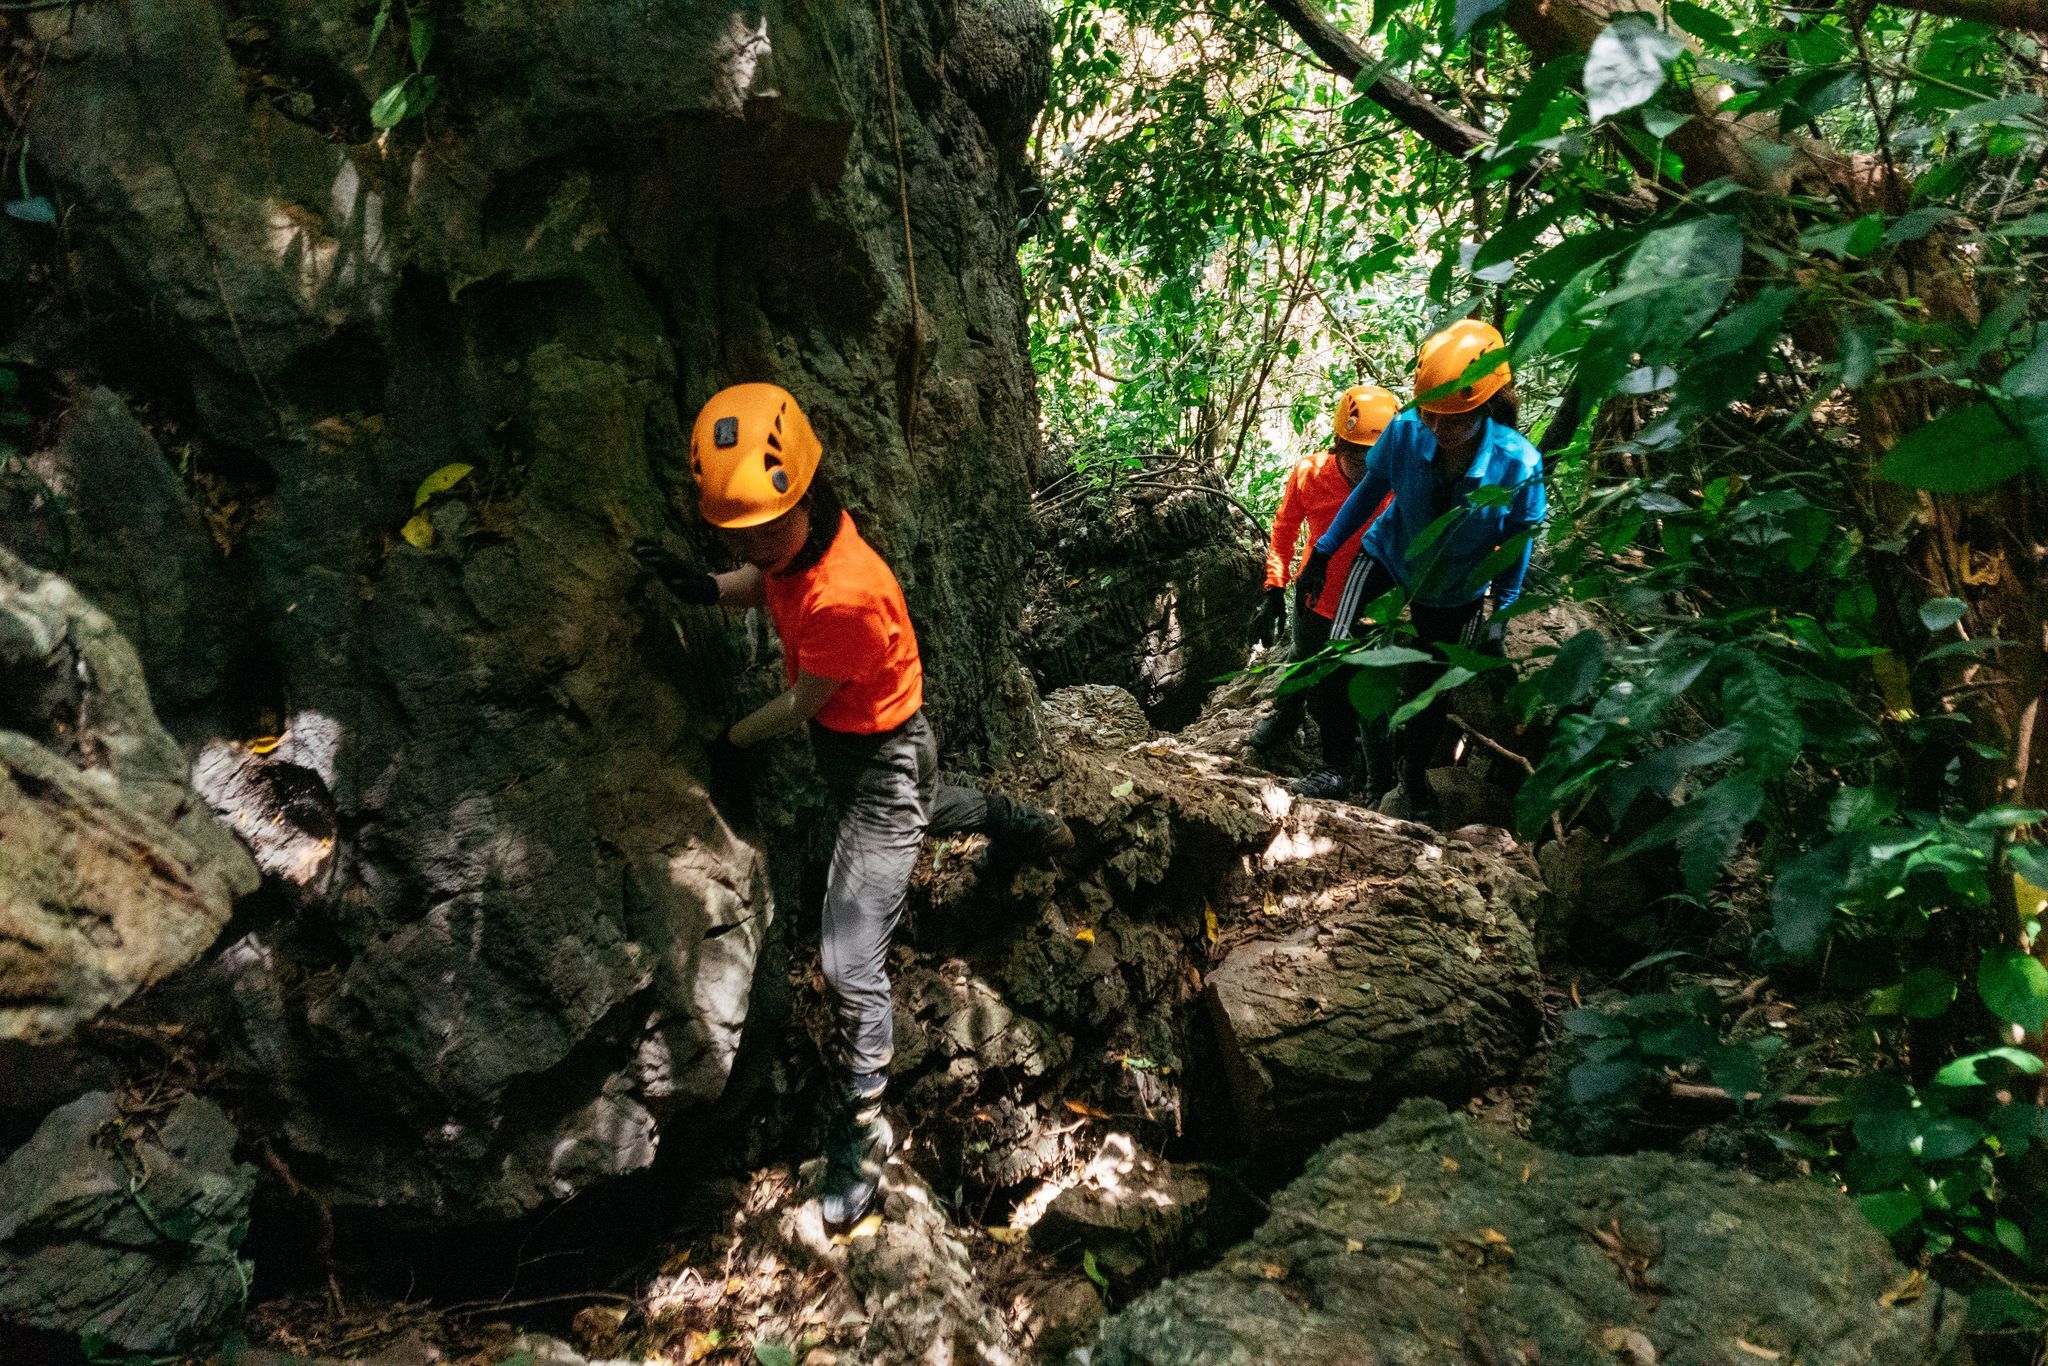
{"x": 844, "y": 619}
{"x": 1316, "y": 488}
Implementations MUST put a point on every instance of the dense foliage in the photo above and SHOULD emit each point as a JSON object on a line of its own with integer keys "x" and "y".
{"x": 1767, "y": 277}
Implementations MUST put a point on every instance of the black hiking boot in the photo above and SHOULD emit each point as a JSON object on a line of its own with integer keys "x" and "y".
{"x": 1273, "y": 730}
{"x": 1018, "y": 833}
{"x": 1326, "y": 783}
{"x": 857, "y": 1144}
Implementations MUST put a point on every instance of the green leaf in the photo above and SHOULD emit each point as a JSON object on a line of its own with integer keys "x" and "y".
{"x": 2010, "y": 1238}
{"x": 2015, "y": 986}
{"x": 440, "y": 481}
{"x": 1890, "y": 1212}
{"x": 1590, "y": 1023}
{"x": 1847, "y": 240}
{"x": 1416, "y": 705}
{"x": 1964, "y": 1071}
{"x": 1962, "y": 451}
{"x": 377, "y": 24}
{"x": 422, "y": 37}
{"x": 1938, "y": 614}
{"x": 1860, "y": 808}
{"x": 773, "y": 1354}
{"x": 393, "y": 105}
{"x": 1993, "y": 1308}
{"x": 1949, "y": 1136}
{"x": 1590, "y": 1081}
{"x": 1703, "y": 24}
{"x": 1576, "y": 670}
{"x": 1387, "y": 657}
{"x": 2005, "y": 817}
{"x": 1911, "y": 227}
{"x": 1625, "y": 66}
{"x": 1092, "y": 1271}
{"x": 1927, "y": 994}
{"x": 1706, "y": 829}
{"x": 2027, "y": 385}
{"x": 1804, "y": 896}
{"x": 2011, "y": 108}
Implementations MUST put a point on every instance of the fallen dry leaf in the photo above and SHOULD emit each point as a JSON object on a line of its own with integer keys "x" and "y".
{"x": 1911, "y": 1288}
{"x": 866, "y": 1228}
{"x": 1085, "y": 935}
{"x": 1631, "y": 1342}
{"x": 1003, "y": 1233}
{"x": 1082, "y": 1107}
{"x": 1450, "y": 1164}
{"x": 1273, "y": 1271}
{"x": 1389, "y": 1195}
{"x": 264, "y": 744}
{"x": 1766, "y": 1353}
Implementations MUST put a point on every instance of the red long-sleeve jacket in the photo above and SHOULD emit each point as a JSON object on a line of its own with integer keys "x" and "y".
{"x": 1316, "y": 488}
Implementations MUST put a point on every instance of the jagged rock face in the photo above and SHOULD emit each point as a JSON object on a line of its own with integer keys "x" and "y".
{"x": 1434, "y": 1238}
{"x": 1148, "y": 591}
{"x": 114, "y": 873}
{"x": 530, "y": 947}
{"x": 126, "y": 1224}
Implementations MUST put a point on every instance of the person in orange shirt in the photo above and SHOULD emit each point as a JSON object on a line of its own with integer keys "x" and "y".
{"x": 856, "y": 681}
{"x": 1316, "y": 488}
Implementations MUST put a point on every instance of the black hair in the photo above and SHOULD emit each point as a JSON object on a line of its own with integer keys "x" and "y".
{"x": 823, "y": 501}
{"x": 1342, "y": 447}
{"x": 1504, "y": 407}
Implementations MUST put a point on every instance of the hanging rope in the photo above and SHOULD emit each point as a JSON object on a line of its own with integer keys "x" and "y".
{"x": 909, "y": 250}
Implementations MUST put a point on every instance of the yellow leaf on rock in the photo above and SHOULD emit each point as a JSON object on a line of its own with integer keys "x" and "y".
{"x": 440, "y": 481}
{"x": 1085, "y": 935}
{"x": 264, "y": 744}
{"x": 866, "y": 1228}
{"x": 1906, "y": 1291}
{"x": 1353, "y": 1245}
{"x": 1492, "y": 1235}
{"x": 418, "y": 531}
{"x": 1003, "y": 1233}
{"x": 1209, "y": 923}
{"x": 1082, "y": 1107}
{"x": 1273, "y": 1271}
{"x": 1390, "y": 1195}
{"x": 1450, "y": 1164}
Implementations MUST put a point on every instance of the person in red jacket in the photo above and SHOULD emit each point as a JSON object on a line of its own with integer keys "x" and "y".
{"x": 856, "y": 683}
{"x": 1316, "y": 488}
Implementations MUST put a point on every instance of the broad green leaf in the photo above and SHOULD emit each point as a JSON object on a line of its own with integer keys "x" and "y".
{"x": 1387, "y": 656}
{"x": 1962, "y": 451}
{"x": 1949, "y": 1136}
{"x": 1374, "y": 692}
{"x": 2011, "y": 108}
{"x": 422, "y": 36}
{"x": 1890, "y": 1212}
{"x": 1625, "y": 66}
{"x": 1804, "y": 896}
{"x": 1927, "y": 993}
{"x": 2004, "y": 817}
{"x": 1994, "y": 1308}
{"x": 1588, "y": 1022}
{"x": 1576, "y": 670}
{"x": 1861, "y": 808}
{"x": 1912, "y": 226}
{"x": 440, "y": 481}
{"x": 1706, "y": 829}
{"x": 1964, "y": 1071}
{"x": 2015, "y": 986}
{"x": 1703, "y": 24}
{"x": 394, "y": 104}
{"x": 1590, "y": 1081}
{"x": 2027, "y": 385}
{"x": 1847, "y": 240}
{"x": 418, "y": 531}
{"x": 1938, "y": 614}
{"x": 1416, "y": 705}
{"x": 1539, "y": 110}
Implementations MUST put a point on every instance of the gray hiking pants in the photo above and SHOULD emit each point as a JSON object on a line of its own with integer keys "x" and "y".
{"x": 889, "y": 795}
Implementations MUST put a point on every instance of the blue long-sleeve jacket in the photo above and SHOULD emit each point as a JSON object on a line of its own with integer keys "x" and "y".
{"x": 1446, "y": 571}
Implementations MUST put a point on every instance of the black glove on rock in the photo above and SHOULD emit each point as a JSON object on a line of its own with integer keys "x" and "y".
{"x": 691, "y": 583}
{"x": 1265, "y": 622}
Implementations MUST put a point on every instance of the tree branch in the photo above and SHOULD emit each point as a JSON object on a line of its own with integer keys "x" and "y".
{"x": 1428, "y": 120}
{"x": 2030, "y": 15}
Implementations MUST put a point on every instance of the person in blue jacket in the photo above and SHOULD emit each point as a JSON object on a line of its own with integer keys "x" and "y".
{"x": 1467, "y": 500}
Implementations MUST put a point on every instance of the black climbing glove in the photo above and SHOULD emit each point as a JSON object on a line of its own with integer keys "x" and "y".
{"x": 1315, "y": 573}
{"x": 1265, "y": 622}
{"x": 1493, "y": 636}
{"x": 691, "y": 583}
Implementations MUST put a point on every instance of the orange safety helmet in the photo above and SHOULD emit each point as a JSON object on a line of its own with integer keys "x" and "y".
{"x": 1363, "y": 413}
{"x": 1446, "y": 357}
{"x": 753, "y": 452}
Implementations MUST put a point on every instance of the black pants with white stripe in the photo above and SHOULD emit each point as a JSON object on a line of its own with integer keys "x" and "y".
{"x": 1418, "y": 741}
